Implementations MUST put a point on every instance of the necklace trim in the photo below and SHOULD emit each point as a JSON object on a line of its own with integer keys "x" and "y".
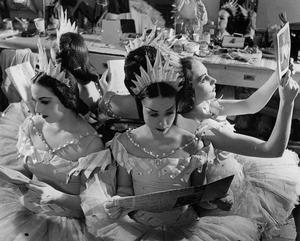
{"x": 155, "y": 155}
{"x": 62, "y": 146}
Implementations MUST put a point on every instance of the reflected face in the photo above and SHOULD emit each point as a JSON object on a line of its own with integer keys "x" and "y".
{"x": 223, "y": 19}
{"x": 47, "y": 104}
{"x": 203, "y": 84}
{"x": 159, "y": 114}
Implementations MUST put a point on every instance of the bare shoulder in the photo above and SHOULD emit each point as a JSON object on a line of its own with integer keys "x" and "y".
{"x": 91, "y": 141}
{"x": 184, "y": 135}
{"x": 91, "y": 144}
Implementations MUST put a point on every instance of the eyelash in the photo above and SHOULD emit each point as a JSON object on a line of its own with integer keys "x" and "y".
{"x": 167, "y": 114}
{"x": 45, "y": 102}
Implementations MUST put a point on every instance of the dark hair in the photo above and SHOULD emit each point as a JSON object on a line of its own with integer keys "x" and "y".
{"x": 160, "y": 89}
{"x": 68, "y": 94}
{"x": 230, "y": 22}
{"x": 238, "y": 22}
{"x": 187, "y": 93}
{"x": 243, "y": 24}
{"x": 74, "y": 56}
{"x": 136, "y": 59}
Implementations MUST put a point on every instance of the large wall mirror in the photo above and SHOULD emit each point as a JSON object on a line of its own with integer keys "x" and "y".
{"x": 238, "y": 16}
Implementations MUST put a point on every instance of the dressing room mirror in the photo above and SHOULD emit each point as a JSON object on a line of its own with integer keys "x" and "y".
{"x": 238, "y": 16}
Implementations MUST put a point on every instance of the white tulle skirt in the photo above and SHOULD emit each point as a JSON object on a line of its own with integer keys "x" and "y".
{"x": 265, "y": 189}
{"x": 19, "y": 223}
{"x": 10, "y": 121}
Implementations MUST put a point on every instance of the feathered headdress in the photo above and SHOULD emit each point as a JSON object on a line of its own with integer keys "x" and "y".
{"x": 48, "y": 67}
{"x": 231, "y": 6}
{"x": 65, "y": 25}
{"x": 157, "y": 73}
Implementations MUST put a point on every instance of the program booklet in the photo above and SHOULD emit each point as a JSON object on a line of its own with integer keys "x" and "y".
{"x": 167, "y": 200}
{"x": 20, "y": 75}
{"x": 283, "y": 49}
{"x": 117, "y": 76}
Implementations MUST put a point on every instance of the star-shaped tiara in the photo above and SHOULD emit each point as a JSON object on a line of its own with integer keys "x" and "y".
{"x": 157, "y": 73}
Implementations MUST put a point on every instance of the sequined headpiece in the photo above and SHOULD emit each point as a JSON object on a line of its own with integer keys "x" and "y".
{"x": 65, "y": 25}
{"x": 49, "y": 68}
{"x": 230, "y": 6}
{"x": 156, "y": 74}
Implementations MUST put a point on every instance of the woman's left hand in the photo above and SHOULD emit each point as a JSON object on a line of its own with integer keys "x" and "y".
{"x": 44, "y": 192}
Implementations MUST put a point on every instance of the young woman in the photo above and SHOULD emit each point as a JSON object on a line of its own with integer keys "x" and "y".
{"x": 50, "y": 144}
{"x": 160, "y": 156}
{"x": 269, "y": 201}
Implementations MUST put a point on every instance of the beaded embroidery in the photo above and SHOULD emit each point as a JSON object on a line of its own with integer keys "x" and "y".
{"x": 180, "y": 168}
{"x": 68, "y": 143}
{"x": 108, "y": 108}
{"x": 159, "y": 156}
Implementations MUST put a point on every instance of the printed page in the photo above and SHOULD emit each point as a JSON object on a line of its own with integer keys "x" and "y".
{"x": 167, "y": 200}
{"x": 21, "y": 75}
{"x": 117, "y": 76}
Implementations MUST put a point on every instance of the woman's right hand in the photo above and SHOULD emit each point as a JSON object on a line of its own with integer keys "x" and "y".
{"x": 288, "y": 91}
{"x": 113, "y": 210}
{"x": 104, "y": 81}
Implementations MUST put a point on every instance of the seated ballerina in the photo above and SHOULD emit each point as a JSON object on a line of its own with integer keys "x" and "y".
{"x": 265, "y": 189}
{"x": 51, "y": 144}
{"x": 160, "y": 156}
{"x": 71, "y": 52}
{"x": 204, "y": 110}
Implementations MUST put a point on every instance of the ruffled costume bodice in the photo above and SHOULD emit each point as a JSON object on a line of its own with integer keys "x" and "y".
{"x": 152, "y": 175}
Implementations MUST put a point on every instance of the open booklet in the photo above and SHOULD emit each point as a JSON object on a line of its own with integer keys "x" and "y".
{"x": 20, "y": 75}
{"x": 167, "y": 200}
{"x": 28, "y": 199}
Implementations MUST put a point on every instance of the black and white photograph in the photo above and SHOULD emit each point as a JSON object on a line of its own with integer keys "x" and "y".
{"x": 150, "y": 120}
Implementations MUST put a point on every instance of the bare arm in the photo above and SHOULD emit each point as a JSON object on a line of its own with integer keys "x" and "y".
{"x": 276, "y": 144}
{"x": 253, "y": 103}
{"x": 124, "y": 182}
{"x": 123, "y": 106}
